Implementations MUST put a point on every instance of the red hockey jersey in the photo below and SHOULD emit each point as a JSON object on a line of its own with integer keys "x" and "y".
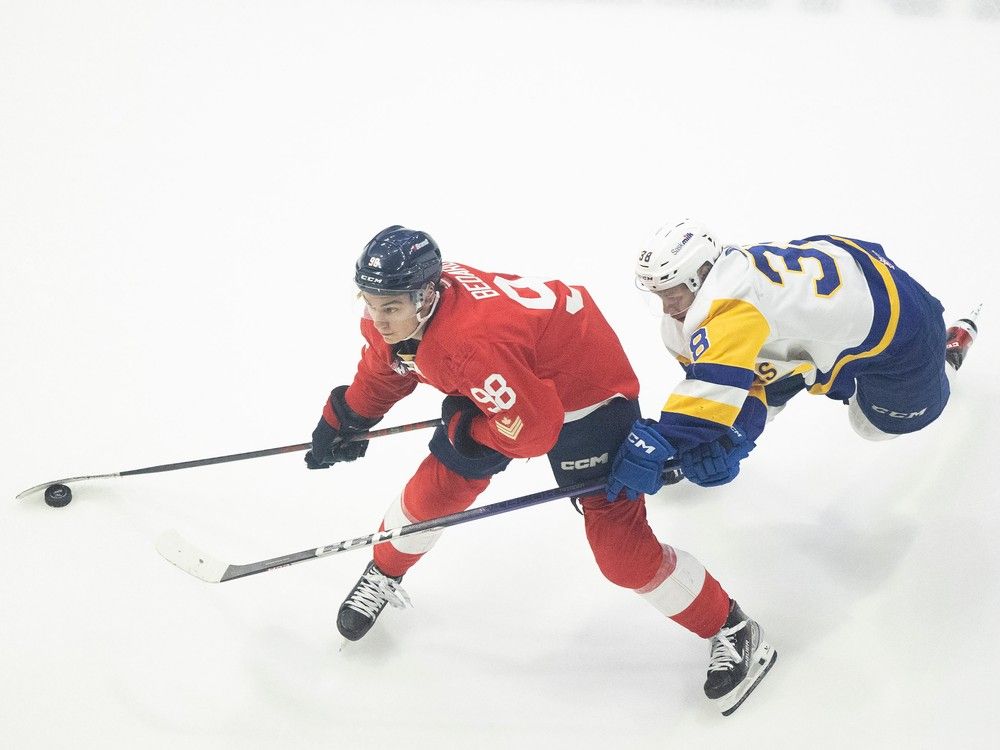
{"x": 531, "y": 354}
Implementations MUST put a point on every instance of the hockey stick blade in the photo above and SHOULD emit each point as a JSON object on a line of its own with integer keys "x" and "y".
{"x": 69, "y": 480}
{"x": 180, "y": 552}
{"x": 188, "y": 558}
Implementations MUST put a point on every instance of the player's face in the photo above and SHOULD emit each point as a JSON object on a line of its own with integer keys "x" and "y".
{"x": 395, "y": 316}
{"x": 675, "y": 301}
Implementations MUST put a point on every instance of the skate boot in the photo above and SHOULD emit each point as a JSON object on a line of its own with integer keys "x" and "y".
{"x": 961, "y": 334}
{"x": 740, "y": 658}
{"x": 367, "y": 600}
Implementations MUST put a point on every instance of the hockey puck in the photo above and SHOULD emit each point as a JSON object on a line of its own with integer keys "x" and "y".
{"x": 58, "y": 495}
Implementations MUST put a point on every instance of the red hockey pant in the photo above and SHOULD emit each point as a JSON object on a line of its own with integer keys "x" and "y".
{"x": 624, "y": 546}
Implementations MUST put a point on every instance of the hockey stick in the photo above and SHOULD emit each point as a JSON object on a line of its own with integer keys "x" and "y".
{"x": 188, "y": 558}
{"x": 233, "y": 457}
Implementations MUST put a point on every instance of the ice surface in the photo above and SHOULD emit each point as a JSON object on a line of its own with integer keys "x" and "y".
{"x": 184, "y": 187}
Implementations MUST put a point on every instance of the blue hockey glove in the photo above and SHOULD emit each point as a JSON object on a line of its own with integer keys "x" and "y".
{"x": 717, "y": 462}
{"x": 639, "y": 463}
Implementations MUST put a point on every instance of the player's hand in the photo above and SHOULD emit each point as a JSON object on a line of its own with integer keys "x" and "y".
{"x": 717, "y": 462}
{"x": 329, "y": 442}
{"x": 455, "y": 447}
{"x": 457, "y": 413}
{"x": 329, "y": 447}
{"x": 640, "y": 461}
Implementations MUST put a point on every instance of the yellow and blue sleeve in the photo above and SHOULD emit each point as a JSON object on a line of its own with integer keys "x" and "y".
{"x": 720, "y": 377}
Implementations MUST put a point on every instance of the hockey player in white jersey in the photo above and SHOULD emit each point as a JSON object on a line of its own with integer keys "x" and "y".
{"x": 754, "y": 325}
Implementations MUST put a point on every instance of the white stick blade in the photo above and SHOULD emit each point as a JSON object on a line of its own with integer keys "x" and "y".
{"x": 177, "y": 550}
{"x": 68, "y": 480}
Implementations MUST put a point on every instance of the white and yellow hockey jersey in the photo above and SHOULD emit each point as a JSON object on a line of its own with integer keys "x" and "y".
{"x": 821, "y": 307}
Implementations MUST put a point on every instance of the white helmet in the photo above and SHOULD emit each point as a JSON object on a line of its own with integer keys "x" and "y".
{"x": 673, "y": 256}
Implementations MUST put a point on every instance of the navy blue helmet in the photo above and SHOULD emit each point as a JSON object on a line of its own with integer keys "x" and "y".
{"x": 398, "y": 259}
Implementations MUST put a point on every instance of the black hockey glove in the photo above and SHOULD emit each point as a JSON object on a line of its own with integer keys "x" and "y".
{"x": 329, "y": 443}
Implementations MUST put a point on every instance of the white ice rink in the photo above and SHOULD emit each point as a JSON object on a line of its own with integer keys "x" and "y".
{"x": 184, "y": 188}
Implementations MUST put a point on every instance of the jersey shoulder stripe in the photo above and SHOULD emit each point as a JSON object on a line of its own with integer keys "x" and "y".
{"x": 732, "y": 333}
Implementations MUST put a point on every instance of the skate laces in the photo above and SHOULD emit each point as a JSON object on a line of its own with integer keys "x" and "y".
{"x": 724, "y": 651}
{"x": 374, "y": 591}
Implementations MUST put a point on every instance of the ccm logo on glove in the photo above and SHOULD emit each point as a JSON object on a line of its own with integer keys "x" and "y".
{"x": 639, "y": 443}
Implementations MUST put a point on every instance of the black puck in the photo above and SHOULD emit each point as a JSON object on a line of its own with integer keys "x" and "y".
{"x": 58, "y": 495}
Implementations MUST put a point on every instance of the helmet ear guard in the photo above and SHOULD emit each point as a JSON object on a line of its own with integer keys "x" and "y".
{"x": 674, "y": 255}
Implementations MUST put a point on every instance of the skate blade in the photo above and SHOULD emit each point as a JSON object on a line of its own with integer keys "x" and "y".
{"x": 764, "y": 658}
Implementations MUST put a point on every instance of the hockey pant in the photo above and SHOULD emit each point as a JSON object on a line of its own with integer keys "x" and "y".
{"x": 624, "y": 546}
{"x": 905, "y": 388}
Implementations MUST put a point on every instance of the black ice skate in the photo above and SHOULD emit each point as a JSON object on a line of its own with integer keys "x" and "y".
{"x": 367, "y": 600}
{"x": 740, "y": 658}
{"x": 961, "y": 334}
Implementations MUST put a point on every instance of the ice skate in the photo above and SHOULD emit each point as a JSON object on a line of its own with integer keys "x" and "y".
{"x": 740, "y": 657}
{"x": 367, "y": 600}
{"x": 961, "y": 334}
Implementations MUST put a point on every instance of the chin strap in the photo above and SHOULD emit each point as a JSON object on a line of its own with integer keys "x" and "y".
{"x": 422, "y": 321}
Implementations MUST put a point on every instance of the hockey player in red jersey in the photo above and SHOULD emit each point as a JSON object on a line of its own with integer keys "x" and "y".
{"x": 505, "y": 351}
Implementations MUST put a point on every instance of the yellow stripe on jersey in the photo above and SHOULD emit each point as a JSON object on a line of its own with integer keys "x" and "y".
{"x": 698, "y": 398}
{"x": 890, "y": 328}
{"x": 702, "y": 408}
{"x": 736, "y": 332}
{"x": 706, "y": 408}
